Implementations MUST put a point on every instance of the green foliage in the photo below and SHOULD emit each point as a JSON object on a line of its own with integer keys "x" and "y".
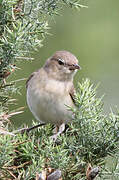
{"x": 6, "y": 150}
{"x": 23, "y": 27}
{"x": 91, "y": 138}
{"x": 96, "y": 134}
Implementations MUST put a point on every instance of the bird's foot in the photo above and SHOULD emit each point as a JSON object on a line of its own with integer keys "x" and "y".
{"x": 58, "y": 130}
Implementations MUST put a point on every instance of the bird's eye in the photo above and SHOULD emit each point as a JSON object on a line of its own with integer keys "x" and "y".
{"x": 61, "y": 61}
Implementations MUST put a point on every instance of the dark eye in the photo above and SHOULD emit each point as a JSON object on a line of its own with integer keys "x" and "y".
{"x": 61, "y": 61}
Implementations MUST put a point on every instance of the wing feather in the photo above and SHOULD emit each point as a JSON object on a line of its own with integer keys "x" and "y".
{"x": 72, "y": 93}
{"x": 30, "y": 77}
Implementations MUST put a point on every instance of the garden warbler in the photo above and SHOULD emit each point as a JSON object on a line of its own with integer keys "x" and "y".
{"x": 50, "y": 90}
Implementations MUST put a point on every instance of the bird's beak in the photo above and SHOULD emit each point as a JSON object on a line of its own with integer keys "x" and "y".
{"x": 77, "y": 66}
{"x": 74, "y": 66}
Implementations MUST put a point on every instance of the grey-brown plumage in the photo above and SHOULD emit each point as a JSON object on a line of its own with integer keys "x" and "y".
{"x": 50, "y": 90}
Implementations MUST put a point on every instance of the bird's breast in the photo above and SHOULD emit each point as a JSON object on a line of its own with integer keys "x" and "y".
{"x": 48, "y": 102}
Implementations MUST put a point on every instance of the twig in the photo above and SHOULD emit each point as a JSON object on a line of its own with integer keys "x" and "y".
{"x": 11, "y": 174}
{"x": 23, "y": 130}
{"x": 17, "y": 167}
{"x": 27, "y": 58}
{"x": 2, "y": 131}
{"x": 22, "y": 142}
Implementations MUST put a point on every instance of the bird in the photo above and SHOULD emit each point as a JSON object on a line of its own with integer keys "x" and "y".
{"x": 50, "y": 90}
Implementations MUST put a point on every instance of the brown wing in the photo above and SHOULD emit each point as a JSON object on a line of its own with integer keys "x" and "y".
{"x": 72, "y": 94}
{"x": 30, "y": 77}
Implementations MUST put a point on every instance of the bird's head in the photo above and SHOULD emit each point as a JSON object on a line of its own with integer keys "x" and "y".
{"x": 62, "y": 65}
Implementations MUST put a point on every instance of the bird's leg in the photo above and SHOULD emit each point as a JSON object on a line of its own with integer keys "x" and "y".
{"x": 58, "y": 131}
{"x": 61, "y": 129}
{"x": 55, "y": 130}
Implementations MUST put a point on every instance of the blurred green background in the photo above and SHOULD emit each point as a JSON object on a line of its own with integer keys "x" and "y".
{"x": 93, "y": 36}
